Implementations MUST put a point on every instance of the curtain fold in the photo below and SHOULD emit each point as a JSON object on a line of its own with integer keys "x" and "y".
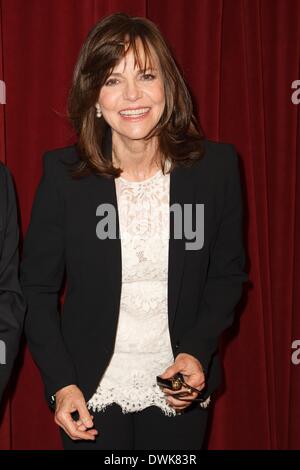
{"x": 239, "y": 59}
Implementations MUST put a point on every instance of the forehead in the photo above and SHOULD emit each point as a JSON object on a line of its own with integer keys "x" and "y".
{"x": 136, "y": 55}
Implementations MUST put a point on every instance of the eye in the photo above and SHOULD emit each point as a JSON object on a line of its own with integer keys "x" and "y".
{"x": 111, "y": 81}
{"x": 149, "y": 75}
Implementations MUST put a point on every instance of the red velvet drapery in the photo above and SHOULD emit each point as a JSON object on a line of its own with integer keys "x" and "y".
{"x": 240, "y": 58}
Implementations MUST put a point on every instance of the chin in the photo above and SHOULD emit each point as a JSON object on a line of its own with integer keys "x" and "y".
{"x": 138, "y": 135}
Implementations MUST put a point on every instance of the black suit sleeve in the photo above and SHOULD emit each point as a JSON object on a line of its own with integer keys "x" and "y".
{"x": 223, "y": 288}
{"x": 42, "y": 270}
{"x": 12, "y": 303}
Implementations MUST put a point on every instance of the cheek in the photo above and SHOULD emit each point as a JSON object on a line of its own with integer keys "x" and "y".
{"x": 159, "y": 95}
{"x": 107, "y": 99}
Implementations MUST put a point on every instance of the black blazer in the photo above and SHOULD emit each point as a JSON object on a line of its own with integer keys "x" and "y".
{"x": 12, "y": 303}
{"x": 203, "y": 285}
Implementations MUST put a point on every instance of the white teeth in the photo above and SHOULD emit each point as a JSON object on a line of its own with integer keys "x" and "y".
{"x": 133, "y": 112}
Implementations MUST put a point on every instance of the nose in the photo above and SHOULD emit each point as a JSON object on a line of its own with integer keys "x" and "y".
{"x": 132, "y": 91}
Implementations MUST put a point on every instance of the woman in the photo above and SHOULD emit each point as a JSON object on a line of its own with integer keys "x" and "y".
{"x": 119, "y": 210}
{"x": 12, "y": 303}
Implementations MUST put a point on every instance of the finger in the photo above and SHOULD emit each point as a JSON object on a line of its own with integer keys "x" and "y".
{"x": 169, "y": 391}
{"x": 93, "y": 432}
{"x": 79, "y": 420}
{"x": 169, "y": 372}
{"x": 173, "y": 401}
{"x": 179, "y": 403}
{"x": 176, "y": 403}
{"x": 72, "y": 429}
{"x": 84, "y": 415}
{"x": 91, "y": 416}
{"x": 90, "y": 431}
{"x": 81, "y": 427}
{"x": 80, "y": 424}
{"x": 65, "y": 430}
{"x": 60, "y": 422}
{"x": 178, "y": 408}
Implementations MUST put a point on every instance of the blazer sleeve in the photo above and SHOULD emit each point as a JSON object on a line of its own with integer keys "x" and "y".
{"x": 12, "y": 303}
{"x": 42, "y": 270}
{"x": 225, "y": 278}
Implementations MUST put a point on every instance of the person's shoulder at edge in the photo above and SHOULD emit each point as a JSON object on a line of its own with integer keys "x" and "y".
{"x": 3, "y": 171}
{"x": 6, "y": 174}
{"x": 4, "y": 168}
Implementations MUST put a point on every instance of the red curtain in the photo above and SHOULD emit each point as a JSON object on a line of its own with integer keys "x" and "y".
{"x": 240, "y": 58}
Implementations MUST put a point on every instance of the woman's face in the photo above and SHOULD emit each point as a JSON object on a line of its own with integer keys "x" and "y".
{"x": 132, "y": 102}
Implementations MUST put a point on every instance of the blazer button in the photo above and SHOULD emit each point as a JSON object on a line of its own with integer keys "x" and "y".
{"x": 177, "y": 345}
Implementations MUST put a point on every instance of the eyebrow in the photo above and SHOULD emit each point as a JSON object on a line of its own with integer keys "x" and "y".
{"x": 138, "y": 71}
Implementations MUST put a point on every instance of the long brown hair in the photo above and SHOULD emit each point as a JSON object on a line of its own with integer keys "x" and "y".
{"x": 179, "y": 134}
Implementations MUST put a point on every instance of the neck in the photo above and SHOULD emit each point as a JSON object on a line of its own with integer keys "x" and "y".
{"x": 139, "y": 159}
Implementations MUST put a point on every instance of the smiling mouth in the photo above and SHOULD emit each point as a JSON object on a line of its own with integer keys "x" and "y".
{"x": 134, "y": 113}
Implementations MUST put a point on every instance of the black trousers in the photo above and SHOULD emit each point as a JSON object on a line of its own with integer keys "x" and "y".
{"x": 144, "y": 430}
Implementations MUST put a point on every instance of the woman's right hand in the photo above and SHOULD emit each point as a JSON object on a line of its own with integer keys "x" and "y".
{"x": 68, "y": 400}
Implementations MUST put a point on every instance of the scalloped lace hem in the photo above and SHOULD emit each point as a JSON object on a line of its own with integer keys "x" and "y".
{"x": 102, "y": 399}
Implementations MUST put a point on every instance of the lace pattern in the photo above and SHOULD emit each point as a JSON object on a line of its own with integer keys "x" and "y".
{"x": 142, "y": 346}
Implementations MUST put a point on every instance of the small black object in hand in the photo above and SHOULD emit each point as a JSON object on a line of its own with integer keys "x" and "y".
{"x": 176, "y": 383}
{"x": 173, "y": 383}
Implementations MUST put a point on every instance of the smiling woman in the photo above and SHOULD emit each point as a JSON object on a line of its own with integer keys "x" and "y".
{"x": 144, "y": 304}
{"x": 132, "y": 105}
{"x": 125, "y": 70}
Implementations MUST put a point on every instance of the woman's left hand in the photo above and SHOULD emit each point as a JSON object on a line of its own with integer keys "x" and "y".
{"x": 193, "y": 374}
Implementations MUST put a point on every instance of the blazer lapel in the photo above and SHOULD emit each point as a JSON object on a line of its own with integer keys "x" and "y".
{"x": 181, "y": 192}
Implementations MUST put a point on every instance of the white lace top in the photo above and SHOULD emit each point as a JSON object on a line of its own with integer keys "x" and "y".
{"x": 142, "y": 347}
